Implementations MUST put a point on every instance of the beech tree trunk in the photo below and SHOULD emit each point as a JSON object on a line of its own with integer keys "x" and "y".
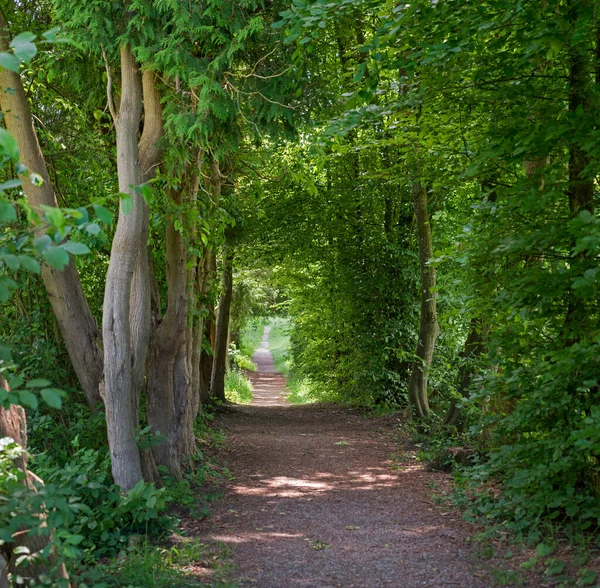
{"x": 77, "y": 325}
{"x": 118, "y": 351}
{"x": 219, "y": 366}
{"x": 428, "y": 328}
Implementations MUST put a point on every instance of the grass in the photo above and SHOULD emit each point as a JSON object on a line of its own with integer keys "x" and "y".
{"x": 238, "y": 388}
{"x": 188, "y": 563}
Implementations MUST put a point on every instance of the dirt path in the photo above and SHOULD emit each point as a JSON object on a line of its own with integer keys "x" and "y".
{"x": 319, "y": 500}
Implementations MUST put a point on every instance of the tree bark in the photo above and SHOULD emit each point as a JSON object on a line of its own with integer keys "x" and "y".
{"x": 219, "y": 366}
{"x": 150, "y": 152}
{"x": 207, "y": 358}
{"x": 428, "y": 328}
{"x": 169, "y": 382}
{"x": 75, "y": 320}
{"x": 118, "y": 352}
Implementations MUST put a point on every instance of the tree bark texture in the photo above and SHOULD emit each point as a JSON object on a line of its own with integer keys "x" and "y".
{"x": 77, "y": 325}
{"x": 118, "y": 352}
{"x": 169, "y": 384}
{"x": 150, "y": 154}
{"x": 428, "y": 327}
{"x": 219, "y": 366}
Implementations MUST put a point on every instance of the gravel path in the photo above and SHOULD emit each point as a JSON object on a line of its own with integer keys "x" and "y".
{"x": 324, "y": 497}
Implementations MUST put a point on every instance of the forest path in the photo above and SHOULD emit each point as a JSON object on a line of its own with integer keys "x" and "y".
{"x": 323, "y": 496}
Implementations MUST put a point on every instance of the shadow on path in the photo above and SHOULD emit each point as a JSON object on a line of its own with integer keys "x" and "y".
{"x": 319, "y": 499}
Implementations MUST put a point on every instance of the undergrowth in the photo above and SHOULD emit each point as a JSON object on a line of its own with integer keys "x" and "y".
{"x": 238, "y": 388}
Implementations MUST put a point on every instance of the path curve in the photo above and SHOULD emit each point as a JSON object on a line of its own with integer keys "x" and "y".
{"x": 319, "y": 500}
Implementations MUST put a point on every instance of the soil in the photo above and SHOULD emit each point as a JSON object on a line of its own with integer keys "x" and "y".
{"x": 323, "y": 496}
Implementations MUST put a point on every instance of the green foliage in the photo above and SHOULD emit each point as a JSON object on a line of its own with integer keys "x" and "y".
{"x": 149, "y": 566}
{"x": 251, "y": 335}
{"x": 240, "y": 360}
{"x": 238, "y": 388}
{"x": 110, "y": 517}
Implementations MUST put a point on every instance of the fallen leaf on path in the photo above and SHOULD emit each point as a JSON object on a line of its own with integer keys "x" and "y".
{"x": 351, "y": 527}
{"x": 317, "y": 544}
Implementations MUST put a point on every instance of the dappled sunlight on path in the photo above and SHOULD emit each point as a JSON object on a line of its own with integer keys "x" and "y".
{"x": 320, "y": 497}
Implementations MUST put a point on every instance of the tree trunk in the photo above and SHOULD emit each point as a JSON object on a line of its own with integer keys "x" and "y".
{"x": 474, "y": 346}
{"x": 150, "y": 153}
{"x": 73, "y": 315}
{"x": 118, "y": 352}
{"x": 428, "y": 328}
{"x": 581, "y": 181}
{"x": 207, "y": 358}
{"x": 219, "y": 366}
{"x": 169, "y": 387}
{"x": 204, "y": 275}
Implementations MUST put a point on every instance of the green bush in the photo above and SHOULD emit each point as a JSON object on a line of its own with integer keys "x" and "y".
{"x": 108, "y": 518}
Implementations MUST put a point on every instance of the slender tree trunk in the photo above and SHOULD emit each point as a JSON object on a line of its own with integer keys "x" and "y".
{"x": 169, "y": 387}
{"x": 150, "y": 152}
{"x": 204, "y": 275}
{"x": 428, "y": 328}
{"x": 474, "y": 347}
{"x": 118, "y": 352}
{"x": 219, "y": 366}
{"x": 75, "y": 320}
{"x": 207, "y": 358}
{"x": 581, "y": 181}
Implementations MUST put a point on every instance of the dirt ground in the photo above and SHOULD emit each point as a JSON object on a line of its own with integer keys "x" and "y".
{"x": 323, "y": 496}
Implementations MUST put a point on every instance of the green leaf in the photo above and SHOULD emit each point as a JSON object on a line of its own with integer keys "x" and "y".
{"x": 9, "y": 61}
{"x": 11, "y": 184}
{"x": 53, "y": 397}
{"x": 11, "y": 261}
{"x": 15, "y": 382}
{"x": 37, "y": 383}
{"x": 103, "y": 214}
{"x": 30, "y": 264}
{"x": 27, "y": 398}
{"x": 42, "y": 243}
{"x": 8, "y": 145}
{"x": 93, "y": 229}
{"x": 126, "y": 203}
{"x": 57, "y": 257}
{"x": 52, "y": 36}
{"x": 76, "y": 248}
{"x": 5, "y": 354}
{"x": 23, "y": 46}
{"x": 7, "y": 212}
